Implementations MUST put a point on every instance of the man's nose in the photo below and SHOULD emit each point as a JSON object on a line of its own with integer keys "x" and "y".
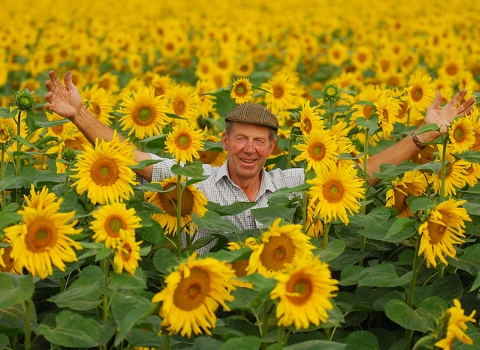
{"x": 249, "y": 147}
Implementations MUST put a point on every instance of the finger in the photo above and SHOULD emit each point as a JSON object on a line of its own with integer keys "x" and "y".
{"x": 466, "y": 105}
{"x": 54, "y": 78}
{"x": 68, "y": 81}
{"x": 437, "y": 101}
{"x": 49, "y": 85}
{"x": 458, "y": 97}
{"x": 48, "y": 96}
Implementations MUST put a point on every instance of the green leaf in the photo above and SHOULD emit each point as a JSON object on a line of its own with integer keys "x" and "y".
{"x": 374, "y": 217}
{"x": 421, "y": 319}
{"x": 50, "y": 124}
{"x": 473, "y": 333}
{"x": 233, "y": 209}
{"x": 270, "y": 214}
{"x": 163, "y": 260}
{"x": 152, "y": 138}
{"x": 128, "y": 311}
{"x": 469, "y": 156}
{"x": 7, "y": 182}
{"x": 317, "y": 93}
{"x": 448, "y": 287}
{"x": 333, "y": 250}
{"x": 421, "y": 204}
{"x": 428, "y": 127}
{"x": 287, "y": 191}
{"x": 81, "y": 295}
{"x": 388, "y": 171}
{"x": 12, "y": 319}
{"x": 371, "y": 123}
{"x": 72, "y": 330}
{"x": 472, "y": 208}
{"x": 399, "y": 225}
{"x": 261, "y": 285}
{"x": 475, "y": 284}
{"x": 362, "y": 340}
{"x": 213, "y": 221}
{"x": 5, "y": 112}
{"x": 202, "y": 343}
{"x": 245, "y": 343}
{"x": 190, "y": 170}
{"x": 125, "y": 280}
{"x": 8, "y": 218}
{"x": 231, "y": 256}
{"x": 382, "y": 275}
{"x": 144, "y": 163}
{"x": 3, "y": 341}
{"x": 14, "y": 292}
{"x": 316, "y": 345}
{"x": 152, "y": 233}
{"x": 221, "y": 92}
{"x": 25, "y": 142}
{"x": 432, "y": 167}
{"x": 468, "y": 261}
{"x": 153, "y": 187}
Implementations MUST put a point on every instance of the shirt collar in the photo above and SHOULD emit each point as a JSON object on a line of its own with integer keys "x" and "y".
{"x": 265, "y": 185}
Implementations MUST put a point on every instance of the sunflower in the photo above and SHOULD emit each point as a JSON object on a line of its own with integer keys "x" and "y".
{"x": 184, "y": 142}
{"x": 62, "y": 131}
{"x": 110, "y": 220}
{"x": 144, "y": 113}
{"x": 314, "y": 224}
{"x": 443, "y": 228}
{"x": 43, "y": 197}
{"x": 456, "y": 326}
{"x": 97, "y": 101}
{"x": 183, "y": 103}
{"x": 387, "y": 109}
{"x": 282, "y": 92}
{"x": 337, "y": 53}
{"x": 42, "y": 239}
{"x": 336, "y": 190}
{"x": 362, "y": 57}
{"x": 461, "y": 135}
{"x": 303, "y": 292}
{"x": 474, "y": 118}
{"x": 413, "y": 183}
{"x": 193, "y": 202}
{"x": 7, "y": 264}
{"x": 103, "y": 171}
{"x": 205, "y": 102}
{"x": 127, "y": 253}
{"x": 193, "y": 293}
{"x": 6, "y": 132}
{"x": 426, "y": 155}
{"x": 239, "y": 267}
{"x": 319, "y": 150}
{"x": 212, "y": 157}
{"x": 473, "y": 174}
{"x": 280, "y": 245}
{"x": 163, "y": 85}
{"x": 456, "y": 172}
{"x": 420, "y": 91}
{"x": 310, "y": 120}
{"x": 241, "y": 91}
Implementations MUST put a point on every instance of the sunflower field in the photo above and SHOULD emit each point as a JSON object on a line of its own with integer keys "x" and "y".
{"x": 93, "y": 256}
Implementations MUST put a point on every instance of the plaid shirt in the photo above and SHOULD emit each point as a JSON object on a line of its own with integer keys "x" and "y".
{"x": 219, "y": 188}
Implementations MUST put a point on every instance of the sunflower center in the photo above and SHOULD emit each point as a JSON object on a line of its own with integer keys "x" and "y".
{"x": 436, "y": 232}
{"x": 416, "y": 93}
{"x": 362, "y": 57}
{"x": 452, "y": 69}
{"x": 367, "y": 111}
{"x": 192, "y": 290}
{"x": 169, "y": 201}
{"x": 459, "y": 135}
{"x": 277, "y": 252}
{"x": 333, "y": 191}
{"x": 302, "y": 287}
{"x": 317, "y": 151}
{"x": 207, "y": 157}
{"x": 113, "y": 226}
{"x": 126, "y": 251}
{"x": 144, "y": 116}
{"x": 96, "y": 110}
{"x": 400, "y": 198}
{"x": 179, "y": 107}
{"x": 57, "y": 129}
{"x": 41, "y": 234}
{"x": 104, "y": 172}
{"x": 331, "y": 91}
{"x": 240, "y": 267}
{"x": 307, "y": 125}
{"x": 278, "y": 92}
{"x": 240, "y": 90}
{"x": 159, "y": 91}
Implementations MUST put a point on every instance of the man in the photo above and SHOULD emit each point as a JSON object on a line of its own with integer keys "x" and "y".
{"x": 249, "y": 139}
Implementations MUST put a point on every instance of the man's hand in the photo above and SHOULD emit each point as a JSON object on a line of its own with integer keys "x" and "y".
{"x": 443, "y": 116}
{"x": 64, "y": 100}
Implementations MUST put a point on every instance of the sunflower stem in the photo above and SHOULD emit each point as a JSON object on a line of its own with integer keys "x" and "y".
{"x": 281, "y": 331}
{"x": 289, "y": 155}
{"x": 415, "y": 268}
{"x": 2, "y": 176}
{"x": 444, "y": 166}
{"x": 167, "y": 341}
{"x": 304, "y": 211}
{"x": 325, "y": 235}
{"x": 105, "y": 266}
{"x": 265, "y": 323}
{"x": 179, "y": 217}
{"x": 27, "y": 323}
{"x": 327, "y": 333}
{"x": 18, "y": 156}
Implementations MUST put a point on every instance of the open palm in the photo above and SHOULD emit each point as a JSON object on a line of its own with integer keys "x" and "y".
{"x": 64, "y": 100}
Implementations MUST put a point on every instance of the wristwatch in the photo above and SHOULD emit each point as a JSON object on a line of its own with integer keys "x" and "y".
{"x": 417, "y": 141}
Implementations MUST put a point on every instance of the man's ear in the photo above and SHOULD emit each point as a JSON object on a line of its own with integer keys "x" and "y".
{"x": 224, "y": 140}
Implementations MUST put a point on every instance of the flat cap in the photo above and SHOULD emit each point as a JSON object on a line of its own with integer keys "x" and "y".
{"x": 253, "y": 113}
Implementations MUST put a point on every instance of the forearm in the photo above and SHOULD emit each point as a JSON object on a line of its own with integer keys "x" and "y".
{"x": 93, "y": 129}
{"x": 396, "y": 154}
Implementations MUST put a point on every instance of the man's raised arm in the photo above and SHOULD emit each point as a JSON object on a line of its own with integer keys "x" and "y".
{"x": 66, "y": 101}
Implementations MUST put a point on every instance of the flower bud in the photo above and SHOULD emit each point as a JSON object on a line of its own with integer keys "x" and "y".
{"x": 24, "y": 100}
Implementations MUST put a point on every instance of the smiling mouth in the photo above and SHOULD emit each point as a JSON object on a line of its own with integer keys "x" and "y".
{"x": 250, "y": 161}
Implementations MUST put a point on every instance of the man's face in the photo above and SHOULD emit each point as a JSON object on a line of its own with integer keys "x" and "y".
{"x": 248, "y": 147}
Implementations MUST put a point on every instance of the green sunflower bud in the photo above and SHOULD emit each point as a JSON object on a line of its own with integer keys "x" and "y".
{"x": 69, "y": 155}
{"x": 24, "y": 100}
{"x": 331, "y": 92}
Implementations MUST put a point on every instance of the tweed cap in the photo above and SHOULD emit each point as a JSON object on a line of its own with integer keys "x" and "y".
{"x": 253, "y": 113}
